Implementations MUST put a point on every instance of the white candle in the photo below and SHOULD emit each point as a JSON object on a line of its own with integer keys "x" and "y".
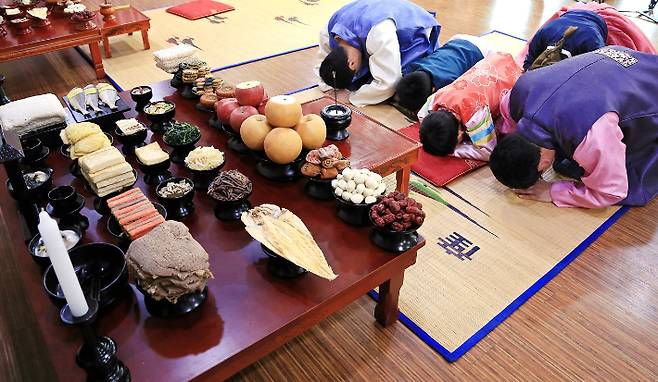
{"x": 59, "y": 257}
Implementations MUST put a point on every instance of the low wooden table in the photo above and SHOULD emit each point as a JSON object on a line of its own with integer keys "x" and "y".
{"x": 248, "y": 313}
{"x": 127, "y": 21}
{"x": 61, "y": 34}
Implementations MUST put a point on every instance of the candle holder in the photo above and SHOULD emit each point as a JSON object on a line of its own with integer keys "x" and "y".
{"x": 97, "y": 355}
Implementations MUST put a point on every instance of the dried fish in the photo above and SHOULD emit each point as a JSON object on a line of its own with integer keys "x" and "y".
{"x": 108, "y": 95}
{"x": 91, "y": 94}
{"x": 284, "y": 233}
{"x": 78, "y": 99}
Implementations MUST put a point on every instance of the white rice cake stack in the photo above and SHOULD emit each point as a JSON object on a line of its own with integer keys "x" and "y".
{"x": 31, "y": 114}
{"x": 107, "y": 171}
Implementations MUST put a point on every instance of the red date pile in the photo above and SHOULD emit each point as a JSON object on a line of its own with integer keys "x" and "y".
{"x": 397, "y": 212}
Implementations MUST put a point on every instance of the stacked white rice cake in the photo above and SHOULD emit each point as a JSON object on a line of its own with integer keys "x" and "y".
{"x": 31, "y": 114}
{"x": 168, "y": 59}
{"x": 107, "y": 171}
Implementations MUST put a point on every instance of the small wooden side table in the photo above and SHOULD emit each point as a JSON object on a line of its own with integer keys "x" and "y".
{"x": 128, "y": 20}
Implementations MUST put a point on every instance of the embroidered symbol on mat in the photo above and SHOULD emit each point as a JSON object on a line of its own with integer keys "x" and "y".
{"x": 458, "y": 246}
{"x": 624, "y": 59}
{"x": 289, "y": 20}
{"x": 217, "y": 19}
{"x": 175, "y": 40}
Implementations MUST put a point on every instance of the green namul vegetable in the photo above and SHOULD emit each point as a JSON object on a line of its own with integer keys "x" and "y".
{"x": 181, "y": 133}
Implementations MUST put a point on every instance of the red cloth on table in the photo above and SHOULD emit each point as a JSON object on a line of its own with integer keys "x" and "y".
{"x": 438, "y": 170}
{"x": 198, "y": 9}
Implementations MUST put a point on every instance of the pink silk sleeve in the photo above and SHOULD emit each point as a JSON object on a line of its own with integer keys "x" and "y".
{"x": 505, "y": 124}
{"x": 602, "y": 155}
{"x": 470, "y": 151}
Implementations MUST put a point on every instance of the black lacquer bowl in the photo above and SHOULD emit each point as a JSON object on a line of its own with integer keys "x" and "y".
{"x": 160, "y": 122}
{"x": 36, "y": 193}
{"x": 44, "y": 261}
{"x": 230, "y": 210}
{"x": 180, "y": 151}
{"x": 179, "y": 207}
{"x": 354, "y": 214}
{"x": 155, "y": 173}
{"x": 320, "y": 189}
{"x": 202, "y": 178}
{"x": 131, "y": 141}
{"x": 279, "y": 172}
{"x": 142, "y": 96}
{"x": 394, "y": 241}
{"x": 88, "y": 260}
{"x": 338, "y": 118}
{"x": 165, "y": 309}
{"x": 279, "y": 267}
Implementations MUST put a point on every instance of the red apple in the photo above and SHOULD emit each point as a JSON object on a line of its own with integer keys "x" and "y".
{"x": 224, "y": 108}
{"x": 249, "y": 93}
{"x": 261, "y": 107}
{"x": 239, "y": 115}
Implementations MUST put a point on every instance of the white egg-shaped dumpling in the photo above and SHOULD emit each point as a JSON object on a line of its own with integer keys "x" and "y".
{"x": 370, "y": 199}
{"x": 338, "y": 191}
{"x": 346, "y": 195}
{"x": 351, "y": 185}
{"x": 367, "y": 192}
{"x": 356, "y": 198}
{"x": 342, "y": 184}
{"x": 360, "y": 188}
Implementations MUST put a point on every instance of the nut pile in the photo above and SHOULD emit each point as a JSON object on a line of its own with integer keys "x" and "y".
{"x": 326, "y": 162}
{"x": 175, "y": 189}
{"x": 397, "y": 212}
{"x": 358, "y": 185}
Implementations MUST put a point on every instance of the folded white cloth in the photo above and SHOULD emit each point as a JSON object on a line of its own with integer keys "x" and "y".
{"x": 173, "y": 53}
{"x": 31, "y": 114}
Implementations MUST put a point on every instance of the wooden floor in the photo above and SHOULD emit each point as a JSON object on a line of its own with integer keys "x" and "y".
{"x": 597, "y": 320}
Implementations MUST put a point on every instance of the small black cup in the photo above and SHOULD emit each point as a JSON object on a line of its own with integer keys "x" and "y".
{"x": 142, "y": 96}
{"x": 44, "y": 261}
{"x": 337, "y": 117}
{"x": 179, "y": 207}
{"x": 394, "y": 241}
{"x": 63, "y": 197}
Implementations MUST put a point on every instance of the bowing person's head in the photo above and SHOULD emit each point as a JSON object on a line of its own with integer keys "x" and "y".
{"x": 340, "y": 65}
{"x": 516, "y": 162}
{"x": 440, "y": 133}
{"x": 413, "y": 89}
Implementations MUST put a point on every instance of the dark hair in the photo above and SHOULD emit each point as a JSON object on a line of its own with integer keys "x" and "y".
{"x": 514, "y": 162}
{"x": 336, "y": 61}
{"x": 438, "y": 132}
{"x": 413, "y": 90}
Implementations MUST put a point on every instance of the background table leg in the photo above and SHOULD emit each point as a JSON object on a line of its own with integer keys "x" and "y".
{"x": 95, "y": 50}
{"x": 386, "y": 310}
{"x": 145, "y": 39}
{"x": 106, "y": 47}
{"x": 403, "y": 175}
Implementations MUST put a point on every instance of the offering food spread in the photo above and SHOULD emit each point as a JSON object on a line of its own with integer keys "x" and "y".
{"x": 271, "y": 222}
{"x": 230, "y": 185}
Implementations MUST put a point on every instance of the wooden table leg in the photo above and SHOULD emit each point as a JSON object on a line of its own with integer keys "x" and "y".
{"x": 145, "y": 39}
{"x": 386, "y": 310}
{"x": 403, "y": 176}
{"x": 106, "y": 47}
{"x": 97, "y": 59}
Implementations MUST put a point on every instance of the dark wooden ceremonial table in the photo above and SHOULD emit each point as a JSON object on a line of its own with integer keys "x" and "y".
{"x": 61, "y": 34}
{"x": 128, "y": 20}
{"x": 248, "y": 313}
